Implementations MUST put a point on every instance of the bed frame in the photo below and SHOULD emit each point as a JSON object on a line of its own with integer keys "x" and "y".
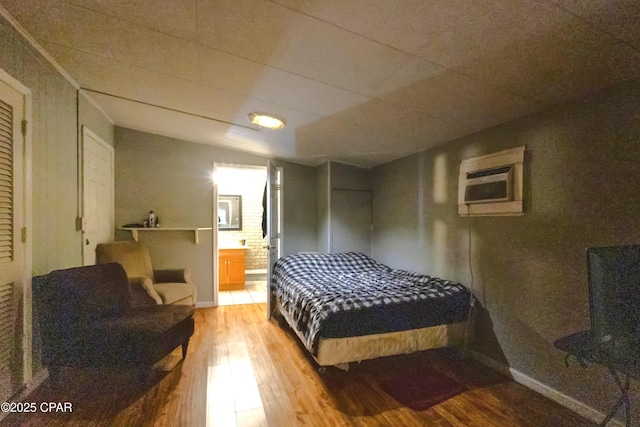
{"x": 342, "y": 351}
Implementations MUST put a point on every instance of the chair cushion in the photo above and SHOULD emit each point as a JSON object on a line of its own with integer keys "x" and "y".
{"x": 142, "y": 335}
{"x": 133, "y": 256}
{"x": 172, "y": 292}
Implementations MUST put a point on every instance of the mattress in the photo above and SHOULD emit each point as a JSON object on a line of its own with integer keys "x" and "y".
{"x": 339, "y": 296}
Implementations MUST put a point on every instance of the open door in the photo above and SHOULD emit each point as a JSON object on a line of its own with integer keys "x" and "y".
{"x": 273, "y": 227}
{"x": 216, "y": 267}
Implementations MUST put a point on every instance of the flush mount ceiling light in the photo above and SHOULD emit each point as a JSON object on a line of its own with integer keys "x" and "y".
{"x": 266, "y": 121}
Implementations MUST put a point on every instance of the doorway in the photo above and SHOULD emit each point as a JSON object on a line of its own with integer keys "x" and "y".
{"x": 242, "y": 257}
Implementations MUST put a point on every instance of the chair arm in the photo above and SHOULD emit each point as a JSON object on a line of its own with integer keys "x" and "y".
{"x": 181, "y": 275}
{"x": 147, "y": 285}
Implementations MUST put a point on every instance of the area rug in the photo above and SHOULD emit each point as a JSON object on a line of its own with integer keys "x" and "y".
{"x": 420, "y": 389}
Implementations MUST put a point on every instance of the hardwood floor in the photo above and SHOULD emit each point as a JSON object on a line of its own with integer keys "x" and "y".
{"x": 242, "y": 370}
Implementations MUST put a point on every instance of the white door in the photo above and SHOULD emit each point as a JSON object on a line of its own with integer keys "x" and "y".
{"x": 274, "y": 195}
{"x": 351, "y": 221}
{"x": 14, "y": 268}
{"x": 97, "y": 195}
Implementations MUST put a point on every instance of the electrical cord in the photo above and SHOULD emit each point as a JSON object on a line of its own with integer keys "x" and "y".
{"x": 467, "y": 325}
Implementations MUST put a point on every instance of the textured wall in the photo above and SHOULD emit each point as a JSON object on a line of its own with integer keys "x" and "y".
{"x": 323, "y": 206}
{"x": 56, "y": 118}
{"x": 54, "y": 148}
{"x": 582, "y": 174}
{"x": 95, "y": 120}
{"x": 55, "y": 124}
{"x": 174, "y": 178}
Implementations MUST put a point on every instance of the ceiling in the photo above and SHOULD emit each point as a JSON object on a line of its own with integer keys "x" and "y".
{"x": 358, "y": 81}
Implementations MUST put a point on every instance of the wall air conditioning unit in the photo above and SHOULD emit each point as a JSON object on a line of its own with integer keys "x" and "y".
{"x": 489, "y": 185}
{"x": 492, "y": 185}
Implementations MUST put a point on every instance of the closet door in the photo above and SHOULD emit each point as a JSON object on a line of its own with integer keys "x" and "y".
{"x": 351, "y": 221}
{"x": 12, "y": 242}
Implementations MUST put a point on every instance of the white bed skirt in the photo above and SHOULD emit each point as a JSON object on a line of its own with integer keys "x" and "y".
{"x": 335, "y": 351}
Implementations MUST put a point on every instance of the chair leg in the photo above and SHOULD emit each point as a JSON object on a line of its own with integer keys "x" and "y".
{"x": 184, "y": 348}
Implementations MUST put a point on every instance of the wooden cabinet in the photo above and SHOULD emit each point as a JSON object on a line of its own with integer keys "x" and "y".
{"x": 230, "y": 269}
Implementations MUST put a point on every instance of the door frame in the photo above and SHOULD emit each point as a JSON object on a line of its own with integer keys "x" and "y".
{"x": 86, "y": 132}
{"x": 27, "y": 301}
{"x": 214, "y": 224}
{"x": 215, "y": 180}
{"x": 274, "y": 253}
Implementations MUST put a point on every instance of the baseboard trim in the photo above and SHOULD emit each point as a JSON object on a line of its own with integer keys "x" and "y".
{"x": 254, "y": 282}
{"x": 258, "y": 271}
{"x": 25, "y": 391}
{"x": 543, "y": 389}
{"x": 204, "y": 304}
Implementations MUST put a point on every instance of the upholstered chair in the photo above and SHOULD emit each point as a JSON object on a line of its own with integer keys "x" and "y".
{"x": 87, "y": 317}
{"x": 148, "y": 285}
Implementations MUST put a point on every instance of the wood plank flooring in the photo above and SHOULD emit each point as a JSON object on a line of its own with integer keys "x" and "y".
{"x": 242, "y": 370}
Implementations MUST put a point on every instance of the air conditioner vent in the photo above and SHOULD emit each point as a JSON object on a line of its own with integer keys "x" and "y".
{"x": 488, "y": 172}
{"x": 489, "y": 185}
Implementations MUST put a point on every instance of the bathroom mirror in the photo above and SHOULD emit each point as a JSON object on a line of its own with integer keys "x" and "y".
{"x": 229, "y": 212}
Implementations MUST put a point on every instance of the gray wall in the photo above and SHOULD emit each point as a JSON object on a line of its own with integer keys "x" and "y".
{"x": 350, "y": 214}
{"x": 322, "y": 214}
{"x": 335, "y": 176}
{"x": 299, "y": 203}
{"x": 582, "y": 174}
{"x": 55, "y": 124}
{"x": 346, "y": 177}
{"x": 54, "y": 148}
{"x": 95, "y": 120}
{"x": 173, "y": 178}
{"x": 56, "y": 119}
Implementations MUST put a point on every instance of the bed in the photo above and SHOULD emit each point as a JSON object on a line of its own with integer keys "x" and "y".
{"x": 347, "y": 307}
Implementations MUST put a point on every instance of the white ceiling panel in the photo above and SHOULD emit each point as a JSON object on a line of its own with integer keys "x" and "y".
{"x": 275, "y": 35}
{"x": 263, "y": 82}
{"x": 361, "y": 81}
{"x": 173, "y": 17}
{"x": 458, "y": 31}
{"x": 85, "y": 30}
{"x": 368, "y": 129}
{"x": 124, "y": 81}
{"x": 566, "y": 63}
{"x": 460, "y": 99}
{"x": 155, "y": 120}
{"x": 70, "y": 26}
{"x": 261, "y": 24}
{"x": 18, "y": 7}
{"x": 390, "y": 22}
{"x": 620, "y": 18}
{"x": 332, "y": 55}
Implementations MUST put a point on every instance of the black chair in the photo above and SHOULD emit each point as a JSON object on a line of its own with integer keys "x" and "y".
{"x": 87, "y": 319}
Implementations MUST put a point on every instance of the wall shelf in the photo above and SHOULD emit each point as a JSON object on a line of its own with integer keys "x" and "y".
{"x": 134, "y": 231}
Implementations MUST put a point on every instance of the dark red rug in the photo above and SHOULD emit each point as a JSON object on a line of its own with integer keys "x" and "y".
{"x": 420, "y": 389}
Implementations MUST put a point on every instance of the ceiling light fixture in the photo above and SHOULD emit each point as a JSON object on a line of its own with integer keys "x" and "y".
{"x": 266, "y": 121}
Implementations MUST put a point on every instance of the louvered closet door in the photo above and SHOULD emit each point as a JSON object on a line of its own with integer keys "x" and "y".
{"x": 11, "y": 246}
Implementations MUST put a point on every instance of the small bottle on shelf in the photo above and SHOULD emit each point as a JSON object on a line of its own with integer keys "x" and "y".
{"x": 152, "y": 219}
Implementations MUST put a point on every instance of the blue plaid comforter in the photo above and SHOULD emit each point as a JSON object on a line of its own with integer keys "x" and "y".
{"x": 314, "y": 287}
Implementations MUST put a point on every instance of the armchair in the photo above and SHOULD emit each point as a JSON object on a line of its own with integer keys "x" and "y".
{"x": 148, "y": 286}
{"x": 88, "y": 319}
